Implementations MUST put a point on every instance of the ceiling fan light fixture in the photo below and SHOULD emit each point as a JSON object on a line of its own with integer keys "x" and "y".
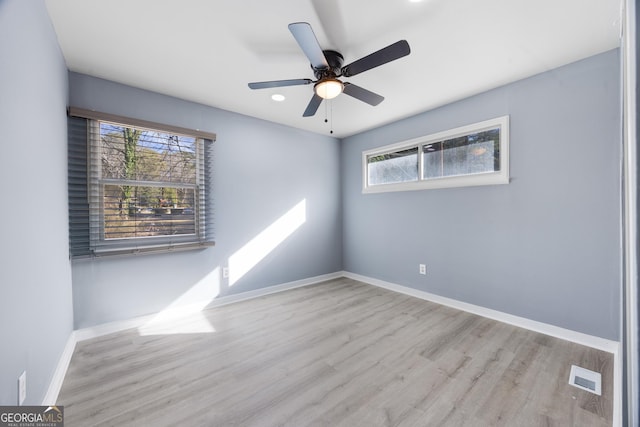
{"x": 328, "y": 88}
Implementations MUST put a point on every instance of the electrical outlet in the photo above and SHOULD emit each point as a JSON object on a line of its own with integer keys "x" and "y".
{"x": 423, "y": 269}
{"x": 22, "y": 388}
{"x": 225, "y": 272}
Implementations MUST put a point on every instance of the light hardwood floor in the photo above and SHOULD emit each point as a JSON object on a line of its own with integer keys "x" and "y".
{"x": 340, "y": 353}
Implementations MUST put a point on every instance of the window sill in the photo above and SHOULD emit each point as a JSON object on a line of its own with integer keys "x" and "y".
{"x": 495, "y": 178}
{"x": 145, "y": 250}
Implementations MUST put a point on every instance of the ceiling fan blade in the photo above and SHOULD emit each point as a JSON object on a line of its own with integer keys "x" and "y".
{"x": 308, "y": 42}
{"x": 384, "y": 55}
{"x": 313, "y": 106}
{"x": 362, "y": 94}
{"x": 279, "y": 83}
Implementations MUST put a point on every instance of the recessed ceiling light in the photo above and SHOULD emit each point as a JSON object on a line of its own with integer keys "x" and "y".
{"x": 278, "y": 97}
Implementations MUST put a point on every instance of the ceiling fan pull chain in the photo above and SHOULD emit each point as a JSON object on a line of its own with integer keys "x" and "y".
{"x": 331, "y": 117}
{"x": 325, "y": 111}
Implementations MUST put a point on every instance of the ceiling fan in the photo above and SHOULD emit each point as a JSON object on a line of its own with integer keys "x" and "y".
{"x": 327, "y": 68}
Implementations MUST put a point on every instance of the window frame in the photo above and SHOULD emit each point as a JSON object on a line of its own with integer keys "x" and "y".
{"x": 469, "y": 180}
{"x": 96, "y": 244}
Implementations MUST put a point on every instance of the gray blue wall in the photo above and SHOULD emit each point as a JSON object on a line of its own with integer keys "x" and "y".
{"x": 262, "y": 170}
{"x": 546, "y": 246}
{"x": 35, "y": 273}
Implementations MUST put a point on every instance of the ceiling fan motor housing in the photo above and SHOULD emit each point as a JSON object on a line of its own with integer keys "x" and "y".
{"x": 335, "y": 60}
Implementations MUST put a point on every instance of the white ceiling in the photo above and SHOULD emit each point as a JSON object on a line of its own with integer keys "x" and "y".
{"x": 208, "y": 50}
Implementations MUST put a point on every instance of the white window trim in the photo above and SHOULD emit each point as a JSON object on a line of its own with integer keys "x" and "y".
{"x": 490, "y": 178}
{"x": 98, "y": 242}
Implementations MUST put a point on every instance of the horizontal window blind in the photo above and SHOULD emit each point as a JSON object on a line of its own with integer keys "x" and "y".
{"x": 77, "y": 153}
{"x": 139, "y": 190}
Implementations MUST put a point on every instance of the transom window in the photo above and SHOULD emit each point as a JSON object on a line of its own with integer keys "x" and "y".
{"x": 471, "y": 155}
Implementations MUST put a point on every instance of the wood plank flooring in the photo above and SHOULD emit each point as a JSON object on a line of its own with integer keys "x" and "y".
{"x": 340, "y": 353}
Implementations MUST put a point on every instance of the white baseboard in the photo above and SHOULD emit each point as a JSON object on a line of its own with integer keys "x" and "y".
{"x": 555, "y": 331}
{"x": 551, "y": 330}
{"x": 617, "y": 386}
{"x": 107, "y": 328}
{"x": 274, "y": 289}
{"x": 61, "y": 370}
{"x": 543, "y": 328}
{"x": 121, "y": 325}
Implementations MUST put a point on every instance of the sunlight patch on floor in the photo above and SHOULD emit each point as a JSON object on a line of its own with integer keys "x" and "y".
{"x": 184, "y": 315}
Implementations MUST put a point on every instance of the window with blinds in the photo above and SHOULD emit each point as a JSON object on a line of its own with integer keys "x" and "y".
{"x": 135, "y": 188}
